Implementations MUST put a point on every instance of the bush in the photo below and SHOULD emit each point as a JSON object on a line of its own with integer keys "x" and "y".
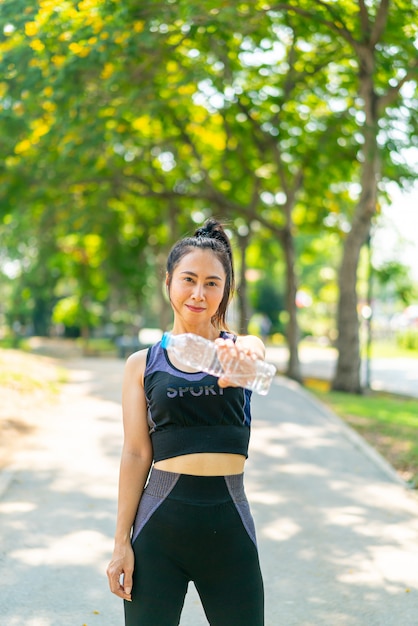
{"x": 408, "y": 339}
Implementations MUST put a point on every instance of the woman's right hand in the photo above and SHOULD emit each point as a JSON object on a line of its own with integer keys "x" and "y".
{"x": 120, "y": 570}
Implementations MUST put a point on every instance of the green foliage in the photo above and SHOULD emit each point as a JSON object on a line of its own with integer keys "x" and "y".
{"x": 266, "y": 298}
{"x": 408, "y": 339}
{"x": 124, "y": 123}
{"x": 398, "y": 277}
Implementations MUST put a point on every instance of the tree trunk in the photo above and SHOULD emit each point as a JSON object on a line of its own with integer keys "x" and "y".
{"x": 85, "y": 337}
{"x": 242, "y": 291}
{"x": 347, "y": 375}
{"x": 292, "y": 329}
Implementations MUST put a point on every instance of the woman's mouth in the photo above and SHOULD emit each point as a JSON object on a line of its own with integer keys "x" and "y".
{"x": 195, "y": 309}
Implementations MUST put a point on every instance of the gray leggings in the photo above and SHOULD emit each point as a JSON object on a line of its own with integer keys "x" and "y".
{"x": 200, "y": 529}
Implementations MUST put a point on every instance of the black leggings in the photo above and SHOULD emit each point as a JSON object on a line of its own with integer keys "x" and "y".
{"x": 200, "y": 529}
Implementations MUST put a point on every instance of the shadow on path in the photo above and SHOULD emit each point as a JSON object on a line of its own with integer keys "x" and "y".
{"x": 337, "y": 532}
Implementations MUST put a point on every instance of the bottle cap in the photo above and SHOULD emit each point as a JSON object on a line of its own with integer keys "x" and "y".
{"x": 165, "y": 340}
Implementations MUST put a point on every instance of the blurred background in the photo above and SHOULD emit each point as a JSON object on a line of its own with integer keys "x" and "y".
{"x": 124, "y": 125}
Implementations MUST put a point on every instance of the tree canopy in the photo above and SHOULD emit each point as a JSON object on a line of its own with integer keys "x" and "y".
{"x": 123, "y": 125}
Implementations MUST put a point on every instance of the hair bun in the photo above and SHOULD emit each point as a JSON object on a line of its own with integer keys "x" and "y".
{"x": 211, "y": 229}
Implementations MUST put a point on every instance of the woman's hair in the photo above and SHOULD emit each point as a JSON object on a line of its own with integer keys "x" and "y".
{"x": 210, "y": 236}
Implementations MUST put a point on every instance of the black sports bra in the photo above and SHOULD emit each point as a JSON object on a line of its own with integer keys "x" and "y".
{"x": 189, "y": 412}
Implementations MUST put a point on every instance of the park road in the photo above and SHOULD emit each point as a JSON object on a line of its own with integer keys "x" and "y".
{"x": 337, "y": 531}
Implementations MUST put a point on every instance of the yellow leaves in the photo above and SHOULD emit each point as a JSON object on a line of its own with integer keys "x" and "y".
{"x": 39, "y": 129}
{"x": 58, "y": 60}
{"x": 206, "y": 131}
{"x": 37, "y": 45}
{"x": 200, "y": 115}
{"x": 107, "y": 71}
{"x": 48, "y": 91}
{"x": 122, "y": 37}
{"x": 138, "y": 26}
{"x": 23, "y": 146}
{"x": 31, "y": 29}
{"x": 49, "y": 106}
{"x": 87, "y": 5}
{"x": 107, "y": 112}
{"x": 47, "y": 5}
{"x": 41, "y": 63}
{"x": 65, "y": 36}
{"x": 84, "y": 249}
{"x": 3, "y": 89}
{"x": 175, "y": 38}
{"x": 215, "y": 139}
{"x": 97, "y": 25}
{"x": 79, "y": 50}
{"x": 71, "y": 13}
{"x": 172, "y": 67}
{"x": 186, "y": 90}
{"x": 141, "y": 123}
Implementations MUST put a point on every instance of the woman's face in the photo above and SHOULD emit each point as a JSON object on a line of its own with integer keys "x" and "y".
{"x": 197, "y": 287}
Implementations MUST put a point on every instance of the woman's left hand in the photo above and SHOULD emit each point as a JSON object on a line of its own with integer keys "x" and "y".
{"x": 235, "y": 361}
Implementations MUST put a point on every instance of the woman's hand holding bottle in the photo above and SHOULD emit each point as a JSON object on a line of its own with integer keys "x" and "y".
{"x": 240, "y": 364}
{"x": 223, "y": 358}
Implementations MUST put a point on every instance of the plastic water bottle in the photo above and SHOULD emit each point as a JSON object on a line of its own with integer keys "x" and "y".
{"x": 201, "y": 354}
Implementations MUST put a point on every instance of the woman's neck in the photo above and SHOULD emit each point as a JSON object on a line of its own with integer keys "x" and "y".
{"x": 209, "y": 332}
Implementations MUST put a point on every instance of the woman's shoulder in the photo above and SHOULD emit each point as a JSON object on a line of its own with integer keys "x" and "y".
{"x": 136, "y": 362}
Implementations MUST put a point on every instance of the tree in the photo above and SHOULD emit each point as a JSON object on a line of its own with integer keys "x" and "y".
{"x": 134, "y": 122}
{"x": 382, "y": 44}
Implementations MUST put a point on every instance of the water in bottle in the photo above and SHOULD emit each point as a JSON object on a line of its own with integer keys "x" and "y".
{"x": 201, "y": 354}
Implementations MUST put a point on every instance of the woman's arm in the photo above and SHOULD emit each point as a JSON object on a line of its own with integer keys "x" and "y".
{"x": 135, "y": 464}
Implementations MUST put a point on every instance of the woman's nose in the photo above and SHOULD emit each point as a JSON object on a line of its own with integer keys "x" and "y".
{"x": 198, "y": 292}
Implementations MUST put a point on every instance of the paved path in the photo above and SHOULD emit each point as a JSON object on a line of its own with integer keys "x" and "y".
{"x": 398, "y": 375}
{"x": 337, "y": 530}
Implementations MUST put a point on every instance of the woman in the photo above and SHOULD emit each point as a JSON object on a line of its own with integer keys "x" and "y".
{"x": 192, "y": 521}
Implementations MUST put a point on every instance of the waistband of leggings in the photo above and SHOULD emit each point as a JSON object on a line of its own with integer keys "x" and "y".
{"x": 196, "y": 489}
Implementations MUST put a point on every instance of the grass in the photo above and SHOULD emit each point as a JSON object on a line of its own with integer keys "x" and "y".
{"x": 387, "y": 421}
{"x": 380, "y": 349}
{"x": 391, "y": 350}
